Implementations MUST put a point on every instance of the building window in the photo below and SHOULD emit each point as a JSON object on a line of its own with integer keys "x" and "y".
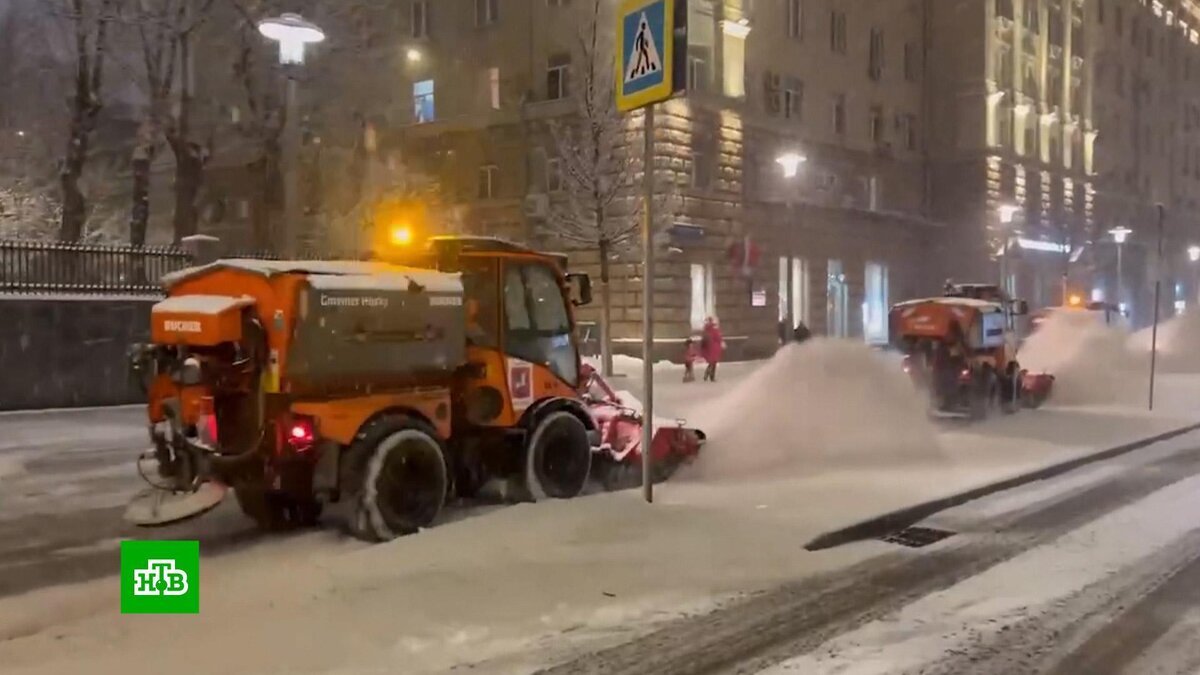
{"x": 487, "y": 181}
{"x": 423, "y": 110}
{"x": 420, "y": 18}
{"x": 554, "y": 178}
{"x": 493, "y": 88}
{"x": 557, "y": 71}
{"x": 486, "y": 12}
{"x": 875, "y": 55}
{"x": 795, "y": 19}
{"x": 798, "y": 298}
{"x": 1100, "y": 11}
{"x": 734, "y": 59}
{"x": 1004, "y": 9}
{"x": 704, "y": 302}
{"x": 839, "y": 113}
{"x": 875, "y": 122}
{"x": 837, "y": 31}
{"x": 558, "y": 3}
{"x": 697, "y": 75}
{"x": 912, "y": 62}
{"x": 875, "y": 304}
{"x": 793, "y": 99}
{"x": 908, "y": 130}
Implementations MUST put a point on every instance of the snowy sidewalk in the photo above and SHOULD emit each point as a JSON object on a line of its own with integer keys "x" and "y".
{"x": 525, "y": 585}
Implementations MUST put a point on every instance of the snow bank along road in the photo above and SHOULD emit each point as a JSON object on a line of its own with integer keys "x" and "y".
{"x": 1097, "y": 571}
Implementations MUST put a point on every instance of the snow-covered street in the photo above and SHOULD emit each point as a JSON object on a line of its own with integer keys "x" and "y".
{"x": 517, "y": 588}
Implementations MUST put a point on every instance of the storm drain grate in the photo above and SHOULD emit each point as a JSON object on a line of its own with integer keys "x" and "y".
{"x": 916, "y": 537}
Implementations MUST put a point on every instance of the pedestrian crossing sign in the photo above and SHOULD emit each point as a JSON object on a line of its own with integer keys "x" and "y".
{"x": 645, "y": 59}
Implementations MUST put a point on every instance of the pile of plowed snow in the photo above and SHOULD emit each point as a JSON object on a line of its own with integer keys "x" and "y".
{"x": 1091, "y": 362}
{"x": 815, "y": 406}
{"x": 1178, "y": 343}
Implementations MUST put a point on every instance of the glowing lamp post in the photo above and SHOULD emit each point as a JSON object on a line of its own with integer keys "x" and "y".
{"x": 293, "y": 34}
{"x": 790, "y": 163}
{"x": 1194, "y": 253}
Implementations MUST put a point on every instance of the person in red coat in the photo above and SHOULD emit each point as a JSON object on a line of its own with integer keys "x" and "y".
{"x": 712, "y": 347}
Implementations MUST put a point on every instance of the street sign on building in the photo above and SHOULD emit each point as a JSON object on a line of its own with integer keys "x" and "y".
{"x": 646, "y": 62}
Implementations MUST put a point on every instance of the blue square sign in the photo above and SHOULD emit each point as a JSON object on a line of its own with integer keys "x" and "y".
{"x": 645, "y": 60}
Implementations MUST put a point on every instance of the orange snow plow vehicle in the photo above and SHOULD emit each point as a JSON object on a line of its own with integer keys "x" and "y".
{"x": 382, "y": 388}
{"x": 962, "y": 349}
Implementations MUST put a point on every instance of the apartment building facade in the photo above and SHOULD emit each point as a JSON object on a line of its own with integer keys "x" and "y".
{"x": 837, "y": 83}
{"x": 1062, "y": 120}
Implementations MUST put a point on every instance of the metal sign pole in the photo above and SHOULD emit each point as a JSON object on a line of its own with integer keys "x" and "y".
{"x": 647, "y": 308}
{"x": 1162, "y": 214}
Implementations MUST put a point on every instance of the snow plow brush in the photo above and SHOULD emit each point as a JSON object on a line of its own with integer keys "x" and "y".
{"x": 1035, "y": 388}
{"x": 617, "y": 460}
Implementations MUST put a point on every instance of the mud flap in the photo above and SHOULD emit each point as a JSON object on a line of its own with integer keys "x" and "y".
{"x": 155, "y": 507}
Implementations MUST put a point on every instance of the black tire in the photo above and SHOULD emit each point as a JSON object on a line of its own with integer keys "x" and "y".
{"x": 558, "y": 457}
{"x": 983, "y": 395}
{"x": 276, "y": 511}
{"x": 396, "y": 478}
{"x": 1010, "y": 392}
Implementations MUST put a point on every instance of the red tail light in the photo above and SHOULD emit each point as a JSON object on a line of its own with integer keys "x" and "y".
{"x": 301, "y": 434}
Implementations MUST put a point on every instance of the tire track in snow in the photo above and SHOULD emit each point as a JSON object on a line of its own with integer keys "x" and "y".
{"x": 773, "y": 626}
{"x": 1028, "y": 613}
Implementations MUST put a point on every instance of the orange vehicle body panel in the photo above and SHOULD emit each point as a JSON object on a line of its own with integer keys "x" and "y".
{"x": 195, "y": 328}
{"x": 194, "y": 400}
{"x": 340, "y": 419}
{"x": 932, "y": 319}
{"x": 274, "y": 294}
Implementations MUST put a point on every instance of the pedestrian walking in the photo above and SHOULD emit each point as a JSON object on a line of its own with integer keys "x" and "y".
{"x": 712, "y": 348}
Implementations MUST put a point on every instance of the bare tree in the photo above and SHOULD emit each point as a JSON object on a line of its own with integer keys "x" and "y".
{"x": 165, "y": 30}
{"x": 90, "y": 20}
{"x": 596, "y": 152}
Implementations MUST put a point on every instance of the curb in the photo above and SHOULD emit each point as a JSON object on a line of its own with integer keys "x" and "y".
{"x": 878, "y": 526}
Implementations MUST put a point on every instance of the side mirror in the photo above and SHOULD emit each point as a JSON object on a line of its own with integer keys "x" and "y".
{"x": 581, "y": 289}
{"x": 1019, "y": 308}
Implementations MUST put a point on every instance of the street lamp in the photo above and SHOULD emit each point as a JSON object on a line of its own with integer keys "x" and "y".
{"x": 790, "y": 163}
{"x": 294, "y": 34}
{"x": 1194, "y": 253}
{"x": 1119, "y": 235}
{"x": 413, "y": 55}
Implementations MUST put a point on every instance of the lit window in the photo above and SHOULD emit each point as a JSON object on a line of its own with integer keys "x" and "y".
{"x": 703, "y": 295}
{"x": 423, "y": 109}
{"x": 557, "y": 77}
{"x": 493, "y": 87}
{"x": 487, "y": 181}
{"x": 420, "y": 18}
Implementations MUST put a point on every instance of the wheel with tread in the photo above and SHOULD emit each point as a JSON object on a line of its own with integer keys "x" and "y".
{"x": 396, "y": 478}
{"x": 558, "y": 457}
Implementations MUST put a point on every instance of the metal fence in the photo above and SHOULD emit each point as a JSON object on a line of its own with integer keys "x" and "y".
{"x": 58, "y": 267}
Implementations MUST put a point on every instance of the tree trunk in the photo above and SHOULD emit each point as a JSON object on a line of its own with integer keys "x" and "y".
{"x": 260, "y": 212}
{"x": 189, "y": 176}
{"x": 139, "y": 216}
{"x": 74, "y": 211}
{"x": 606, "y": 358}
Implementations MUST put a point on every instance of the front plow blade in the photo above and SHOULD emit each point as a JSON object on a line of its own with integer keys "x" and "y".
{"x": 155, "y": 507}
